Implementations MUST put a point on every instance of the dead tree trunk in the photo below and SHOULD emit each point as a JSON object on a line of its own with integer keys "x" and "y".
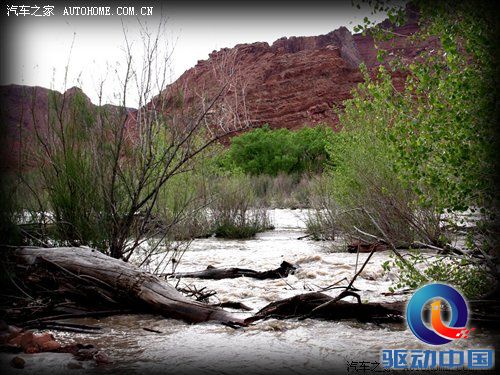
{"x": 114, "y": 280}
{"x": 231, "y": 273}
{"x": 303, "y": 305}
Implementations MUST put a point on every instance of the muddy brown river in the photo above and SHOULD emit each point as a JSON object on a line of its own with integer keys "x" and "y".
{"x": 266, "y": 347}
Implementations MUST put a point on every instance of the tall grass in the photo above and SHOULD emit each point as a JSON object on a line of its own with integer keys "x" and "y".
{"x": 321, "y": 221}
{"x": 282, "y": 191}
{"x": 234, "y": 211}
{"x": 76, "y": 202}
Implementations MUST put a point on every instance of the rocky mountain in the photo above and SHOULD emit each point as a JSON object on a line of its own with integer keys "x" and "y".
{"x": 25, "y": 110}
{"x": 21, "y": 108}
{"x": 297, "y": 81}
{"x": 291, "y": 83}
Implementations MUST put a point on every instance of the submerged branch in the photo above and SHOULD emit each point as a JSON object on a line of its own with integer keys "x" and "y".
{"x": 230, "y": 273}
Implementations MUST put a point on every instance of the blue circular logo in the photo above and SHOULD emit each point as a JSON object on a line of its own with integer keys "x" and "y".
{"x": 440, "y": 333}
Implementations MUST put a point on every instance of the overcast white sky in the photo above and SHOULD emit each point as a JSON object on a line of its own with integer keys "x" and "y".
{"x": 39, "y": 47}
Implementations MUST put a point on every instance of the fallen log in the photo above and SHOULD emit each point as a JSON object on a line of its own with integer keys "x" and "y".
{"x": 318, "y": 305}
{"x": 84, "y": 270}
{"x": 303, "y": 305}
{"x": 214, "y": 273}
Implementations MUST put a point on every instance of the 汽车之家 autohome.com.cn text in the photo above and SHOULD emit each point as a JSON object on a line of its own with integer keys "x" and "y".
{"x": 51, "y": 10}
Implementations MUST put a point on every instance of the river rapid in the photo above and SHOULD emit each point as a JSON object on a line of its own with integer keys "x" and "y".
{"x": 266, "y": 347}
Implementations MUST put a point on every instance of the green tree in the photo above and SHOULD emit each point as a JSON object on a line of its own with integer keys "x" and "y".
{"x": 441, "y": 125}
{"x": 267, "y": 151}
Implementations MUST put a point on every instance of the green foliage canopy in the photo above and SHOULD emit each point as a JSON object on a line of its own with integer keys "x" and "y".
{"x": 266, "y": 151}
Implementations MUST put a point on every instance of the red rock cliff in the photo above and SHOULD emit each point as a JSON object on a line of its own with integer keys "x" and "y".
{"x": 297, "y": 81}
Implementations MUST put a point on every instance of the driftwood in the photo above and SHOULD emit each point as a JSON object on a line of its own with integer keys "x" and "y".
{"x": 201, "y": 295}
{"x": 302, "y": 306}
{"x": 321, "y": 306}
{"x": 79, "y": 273}
{"x": 365, "y": 247}
{"x": 76, "y": 272}
{"x": 214, "y": 273}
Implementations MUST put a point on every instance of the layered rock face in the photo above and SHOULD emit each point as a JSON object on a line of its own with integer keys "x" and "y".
{"x": 298, "y": 81}
{"x": 293, "y": 82}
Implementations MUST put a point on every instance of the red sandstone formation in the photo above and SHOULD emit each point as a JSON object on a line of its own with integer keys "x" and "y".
{"x": 294, "y": 82}
{"x": 25, "y": 110}
{"x": 298, "y": 81}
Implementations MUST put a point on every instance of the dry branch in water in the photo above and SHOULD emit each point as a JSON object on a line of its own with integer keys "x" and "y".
{"x": 128, "y": 286}
{"x": 231, "y": 273}
{"x": 90, "y": 277}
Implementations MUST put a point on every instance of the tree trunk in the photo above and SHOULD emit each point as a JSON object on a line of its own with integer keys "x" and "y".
{"x": 115, "y": 280}
{"x": 303, "y": 305}
{"x": 231, "y": 273}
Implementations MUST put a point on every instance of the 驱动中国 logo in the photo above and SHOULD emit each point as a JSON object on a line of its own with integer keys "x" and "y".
{"x": 440, "y": 333}
{"x": 445, "y": 322}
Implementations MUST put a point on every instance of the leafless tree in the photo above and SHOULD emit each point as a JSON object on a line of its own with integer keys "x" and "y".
{"x": 129, "y": 156}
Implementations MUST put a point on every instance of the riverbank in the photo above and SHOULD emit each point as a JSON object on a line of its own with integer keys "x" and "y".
{"x": 270, "y": 346}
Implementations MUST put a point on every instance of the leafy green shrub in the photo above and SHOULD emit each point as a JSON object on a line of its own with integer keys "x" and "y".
{"x": 466, "y": 274}
{"x": 74, "y": 198}
{"x": 67, "y": 185}
{"x": 367, "y": 192}
{"x": 266, "y": 151}
{"x": 406, "y": 156}
{"x": 442, "y": 131}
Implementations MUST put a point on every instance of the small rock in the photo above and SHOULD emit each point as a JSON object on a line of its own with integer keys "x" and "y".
{"x": 17, "y": 362}
{"x": 85, "y": 354}
{"x": 101, "y": 358}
